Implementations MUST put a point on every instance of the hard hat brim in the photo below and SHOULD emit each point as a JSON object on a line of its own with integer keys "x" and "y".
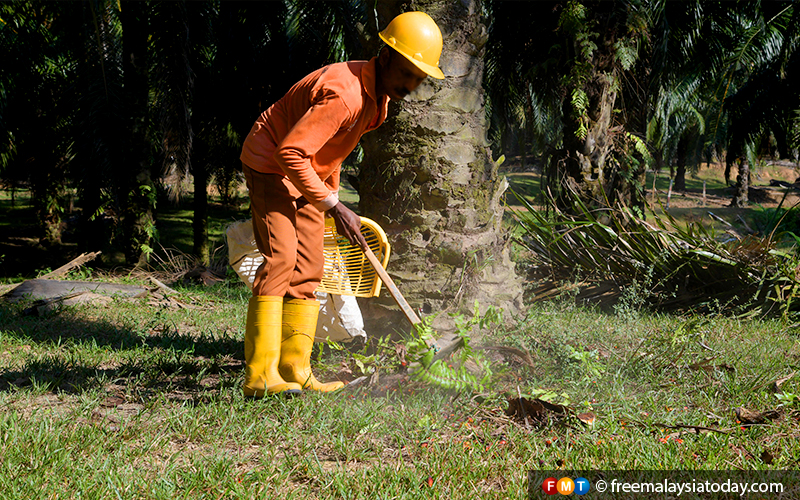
{"x": 429, "y": 69}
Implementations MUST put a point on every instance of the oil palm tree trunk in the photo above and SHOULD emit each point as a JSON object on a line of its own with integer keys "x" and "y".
{"x": 429, "y": 180}
{"x": 586, "y": 138}
{"x": 742, "y": 188}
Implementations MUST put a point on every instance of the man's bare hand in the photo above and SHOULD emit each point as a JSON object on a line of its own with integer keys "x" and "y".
{"x": 348, "y": 224}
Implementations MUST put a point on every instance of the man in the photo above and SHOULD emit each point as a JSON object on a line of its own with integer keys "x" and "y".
{"x": 291, "y": 161}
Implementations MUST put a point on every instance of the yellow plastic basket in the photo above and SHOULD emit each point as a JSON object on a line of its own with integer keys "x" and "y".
{"x": 347, "y": 270}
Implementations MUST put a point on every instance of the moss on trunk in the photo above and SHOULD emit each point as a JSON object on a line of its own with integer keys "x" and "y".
{"x": 429, "y": 179}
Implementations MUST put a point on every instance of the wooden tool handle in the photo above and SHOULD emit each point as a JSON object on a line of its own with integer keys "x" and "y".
{"x": 411, "y": 316}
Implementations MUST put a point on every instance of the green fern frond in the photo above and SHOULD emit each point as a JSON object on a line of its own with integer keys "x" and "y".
{"x": 626, "y": 52}
{"x": 641, "y": 148}
{"x": 580, "y": 101}
{"x": 455, "y": 375}
{"x": 442, "y": 375}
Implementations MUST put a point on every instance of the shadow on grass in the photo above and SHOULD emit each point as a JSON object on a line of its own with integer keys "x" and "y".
{"x": 79, "y": 360}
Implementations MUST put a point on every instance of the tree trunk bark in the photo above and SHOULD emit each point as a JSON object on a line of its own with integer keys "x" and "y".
{"x": 586, "y": 141}
{"x": 591, "y": 171}
{"x": 728, "y": 165}
{"x": 740, "y": 195}
{"x": 429, "y": 180}
{"x": 682, "y": 156}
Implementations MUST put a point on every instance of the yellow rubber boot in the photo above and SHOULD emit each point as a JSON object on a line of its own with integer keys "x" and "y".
{"x": 299, "y": 327}
{"x": 262, "y": 349}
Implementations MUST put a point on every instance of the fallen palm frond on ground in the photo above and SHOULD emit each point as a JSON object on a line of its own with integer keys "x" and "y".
{"x": 173, "y": 265}
{"x": 672, "y": 267}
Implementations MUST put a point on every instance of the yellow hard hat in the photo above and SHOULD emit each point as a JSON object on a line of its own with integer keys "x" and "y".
{"x": 417, "y": 37}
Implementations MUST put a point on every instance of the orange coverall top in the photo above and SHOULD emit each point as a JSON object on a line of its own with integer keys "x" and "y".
{"x": 308, "y": 133}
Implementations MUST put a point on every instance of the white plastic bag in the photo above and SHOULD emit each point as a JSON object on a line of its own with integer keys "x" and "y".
{"x": 243, "y": 254}
{"x": 339, "y": 318}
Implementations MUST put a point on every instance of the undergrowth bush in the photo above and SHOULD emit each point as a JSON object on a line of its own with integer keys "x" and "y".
{"x": 662, "y": 264}
{"x": 782, "y": 222}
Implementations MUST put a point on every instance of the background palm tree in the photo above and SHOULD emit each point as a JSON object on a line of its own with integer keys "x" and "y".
{"x": 762, "y": 110}
{"x": 564, "y": 66}
{"x": 102, "y": 96}
{"x": 702, "y": 59}
{"x": 36, "y": 97}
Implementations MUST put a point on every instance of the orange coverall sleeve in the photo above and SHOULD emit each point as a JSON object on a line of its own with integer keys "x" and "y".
{"x": 311, "y": 132}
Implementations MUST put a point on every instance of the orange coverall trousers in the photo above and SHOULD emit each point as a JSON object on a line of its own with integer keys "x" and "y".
{"x": 289, "y": 234}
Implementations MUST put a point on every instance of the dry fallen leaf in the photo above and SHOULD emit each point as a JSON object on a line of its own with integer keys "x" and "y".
{"x": 776, "y": 385}
{"x": 344, "y": 369}
{"x": 401, "y": 351}
{"x": 705, "y": 365}
{"x": 746, "y": 416}
{"x": 537, "y": 410}
{"x": 587, "y": 418}
{"x": 742, "y": 452}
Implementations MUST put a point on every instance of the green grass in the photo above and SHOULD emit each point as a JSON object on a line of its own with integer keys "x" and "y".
{"x": 15, "y": 212}
{"x": 525, "y": 184}
{"x": 694, "y": 182}
{"x": 139, "y": 400}
{"x": 348, "y": 195}
{"x": 136, "y": 400}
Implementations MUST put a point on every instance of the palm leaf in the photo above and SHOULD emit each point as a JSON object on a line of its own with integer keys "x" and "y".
{"x": 687, "y": 268}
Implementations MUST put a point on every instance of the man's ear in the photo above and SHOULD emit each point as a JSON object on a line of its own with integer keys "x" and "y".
{"x": 384, "y": 56}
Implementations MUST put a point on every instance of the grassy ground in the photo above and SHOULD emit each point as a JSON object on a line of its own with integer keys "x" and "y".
{"x": 175, "y": 224}
{"x": 710, "y": 176}
{"x": 139, "y": 400}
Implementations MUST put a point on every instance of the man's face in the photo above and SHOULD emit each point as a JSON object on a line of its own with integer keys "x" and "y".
{"x": 398, "y": 77}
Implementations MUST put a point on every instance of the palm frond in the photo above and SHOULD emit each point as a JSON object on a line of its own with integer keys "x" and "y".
{"x": 320, "y": 33}
{"x": 687, "y": 267}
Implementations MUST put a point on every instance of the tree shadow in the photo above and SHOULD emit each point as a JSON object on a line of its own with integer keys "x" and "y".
{"x": 148, "y": 361}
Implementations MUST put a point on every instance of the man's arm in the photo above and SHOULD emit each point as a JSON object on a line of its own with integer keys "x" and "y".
{"x": 320, "y": 123}
{"x": 316, "y": 127}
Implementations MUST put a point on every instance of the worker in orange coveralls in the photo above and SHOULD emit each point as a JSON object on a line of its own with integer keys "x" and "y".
{"x": 291, "y": 161}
